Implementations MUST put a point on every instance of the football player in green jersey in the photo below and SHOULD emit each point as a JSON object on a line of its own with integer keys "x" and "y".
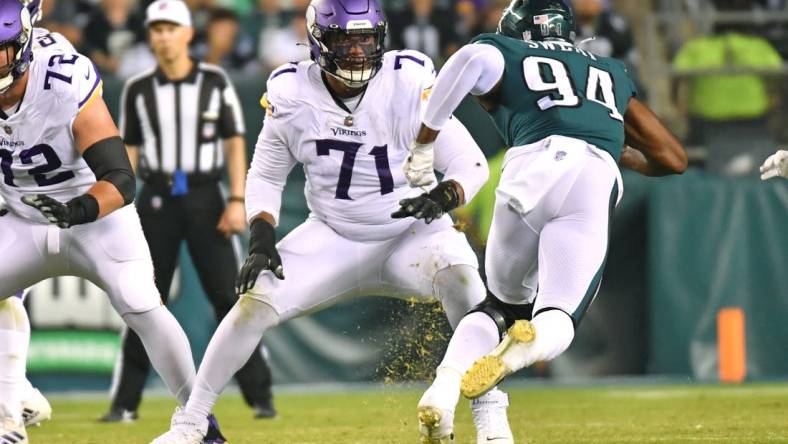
{"x": 570, "y": 119}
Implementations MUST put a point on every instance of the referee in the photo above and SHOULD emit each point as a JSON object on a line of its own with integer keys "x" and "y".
{"x": 179, "y": 122}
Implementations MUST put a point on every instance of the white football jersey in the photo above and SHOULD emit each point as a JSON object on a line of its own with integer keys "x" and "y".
{"x": 352, "y": 161}
{"x": 45, "y": 40}
{"x": 38, "y": 154}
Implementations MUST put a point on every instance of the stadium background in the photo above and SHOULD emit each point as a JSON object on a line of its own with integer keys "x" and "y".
{"x": 683, "y": 248}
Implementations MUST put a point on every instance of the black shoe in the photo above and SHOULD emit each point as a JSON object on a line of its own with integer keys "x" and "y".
{"x": 264, "y": 410}
{"x": 120, "y": 415}
{"x": 214, "y": 435}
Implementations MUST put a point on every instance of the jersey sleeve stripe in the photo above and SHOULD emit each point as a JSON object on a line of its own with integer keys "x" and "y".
{"x": 284, "y": 71}
{"x": 93, "y": 90}
{"x": 97, "y": 88}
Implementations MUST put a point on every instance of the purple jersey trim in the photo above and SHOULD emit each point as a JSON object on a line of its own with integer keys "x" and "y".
{"x": 278, "y": 73}
{"x": 92, "y": 89}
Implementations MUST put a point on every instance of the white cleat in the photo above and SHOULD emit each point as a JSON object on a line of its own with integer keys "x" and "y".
{"x": 11, "y": 431}
{"x": 436, "y": 416}
{"x": 489, "y": 417}
{"x": 35, "y": 409}
{"x": 184, "y": 429}
{"x": 436, "y": 426}
{"x": 505, "y": 359}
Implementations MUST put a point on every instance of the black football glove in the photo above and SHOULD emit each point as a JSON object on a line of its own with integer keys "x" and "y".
{"x": 430, "y": 206}
{"x": 262, "y": 256}
{"x": 79, "y": 210}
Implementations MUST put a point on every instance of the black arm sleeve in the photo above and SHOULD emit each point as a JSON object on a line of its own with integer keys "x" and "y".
{"x": 109, "y": 162}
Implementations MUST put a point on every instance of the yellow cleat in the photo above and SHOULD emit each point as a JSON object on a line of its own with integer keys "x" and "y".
{"x": 490, "y": 369}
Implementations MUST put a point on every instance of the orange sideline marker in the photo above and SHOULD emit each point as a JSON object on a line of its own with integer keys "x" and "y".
{"x": 731, "y": 345}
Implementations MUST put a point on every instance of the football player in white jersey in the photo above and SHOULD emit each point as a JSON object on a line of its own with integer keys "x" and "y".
{"x": 67, "y": 183}
{"x": 348, "y": 117}
{"x": 35, "y": 407}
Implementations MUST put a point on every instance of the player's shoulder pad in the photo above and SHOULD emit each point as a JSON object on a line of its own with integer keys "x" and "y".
{"x": 491, "y": 38}
{"x": 409, "y": 67}
{"x": 70, "y": 76}
{"x": 284, "y": 88}
{"x": 616, "y": 66}
{"x": 46, "y": 40}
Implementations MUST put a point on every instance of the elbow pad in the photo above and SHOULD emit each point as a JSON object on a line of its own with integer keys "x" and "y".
{"x": 109, "y": 162}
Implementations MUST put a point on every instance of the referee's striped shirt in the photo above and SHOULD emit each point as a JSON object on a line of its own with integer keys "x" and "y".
{"x": 180, "y": 125}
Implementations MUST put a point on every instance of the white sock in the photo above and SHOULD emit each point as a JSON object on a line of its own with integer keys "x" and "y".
{"x": 458, "y": 288}
{"x": 475, "y": 336}
{"x": 445, "y": 389}
{"x": 237, "y": 337}
{"x": 27, "y": 390}
{"x": 14, "y": 343}
{"x": 554, "y": 334}
{"x": 167, "y": 347}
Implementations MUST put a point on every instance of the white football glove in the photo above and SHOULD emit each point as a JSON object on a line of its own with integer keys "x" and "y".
{"x": 418, "y": 167}
{"x": 775, "y": 165}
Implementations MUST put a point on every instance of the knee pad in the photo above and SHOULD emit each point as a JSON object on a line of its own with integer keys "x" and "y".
{"x": 13, "y": 315}
{"x": 503, "y": 314}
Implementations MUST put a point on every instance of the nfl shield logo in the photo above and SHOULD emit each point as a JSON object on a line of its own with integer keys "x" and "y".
{"x": 8, "y": 129}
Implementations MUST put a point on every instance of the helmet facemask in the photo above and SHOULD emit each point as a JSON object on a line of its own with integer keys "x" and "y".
{"x": 36, "y": 9}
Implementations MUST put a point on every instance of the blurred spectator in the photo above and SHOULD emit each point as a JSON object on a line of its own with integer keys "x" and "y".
{"x": 66, "y": 17}
{"x": 282, "y": 45}
{"x": 135, "y": 60}
{"x": 225, "y": 45}
{"x": 728, "y": 109}
{"x": 424, "y": 28}
{"x": 611, "y": 34}
{"x": 111, "y": 30}
{"x": 468, "y": 22}
{"x": 491, "y": 14}
{"x": 774, "y": 31}
{"x": 268, "y": 19}
{"x": 240, "y": 7}
{"x": 201, "y": 14}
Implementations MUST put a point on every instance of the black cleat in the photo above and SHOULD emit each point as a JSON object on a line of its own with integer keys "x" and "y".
{"x": 264, "y": 410}
{"x": 120, "y": 415}
{"x": 214, "y": 435}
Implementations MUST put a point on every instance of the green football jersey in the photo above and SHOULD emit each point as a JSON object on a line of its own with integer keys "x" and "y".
{"x": 554, "y": 88}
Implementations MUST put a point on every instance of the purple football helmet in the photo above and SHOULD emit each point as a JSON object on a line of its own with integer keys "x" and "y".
{"x": 34, "y": 6}
{"x": 346, "y": 38}
{"x": 15, "y": 39}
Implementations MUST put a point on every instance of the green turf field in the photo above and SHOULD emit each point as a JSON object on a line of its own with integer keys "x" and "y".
{"x": 608, "y": 414}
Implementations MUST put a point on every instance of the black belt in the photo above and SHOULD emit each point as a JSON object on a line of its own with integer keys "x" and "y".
{"x": 165, "y": 180}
